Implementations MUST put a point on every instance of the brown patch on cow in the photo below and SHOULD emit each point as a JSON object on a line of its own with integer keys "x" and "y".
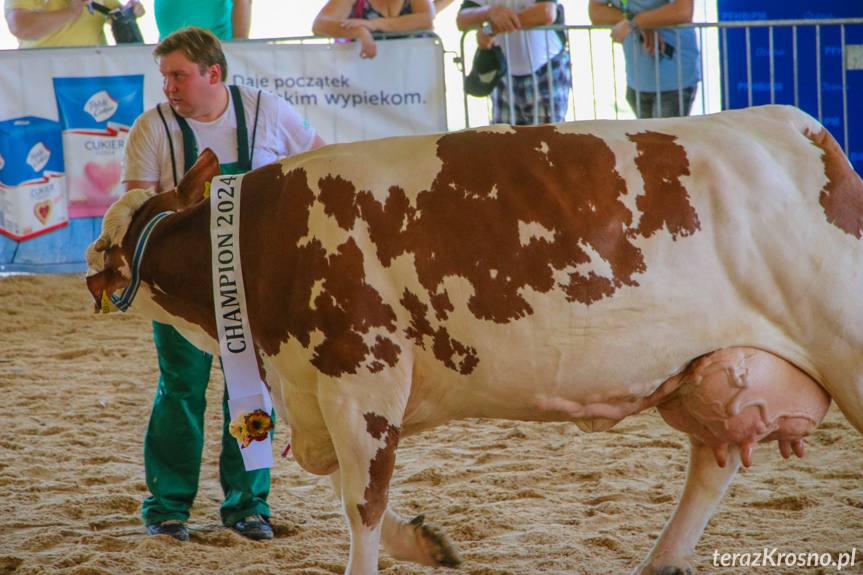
{"x": 588, "y": 289}
{"x": 387, "y": 221}
{"x": 347, "y": 307}
{"x": 842, "y": 197}
{"x": 445, "y": 348}
{"x": 380, "y": 469}
{"x": 338, "y": 197}
{"x": 509, "y": 213}
{"x": 419, "y": 327}
{"x": 386, "y": 351}
{"x": 467, "y": 224}
{"x": 665, "y": 202}
{"x": 492, "y": 185}
{"x": 442, "y": 305}
{"x": 482, "y": 195}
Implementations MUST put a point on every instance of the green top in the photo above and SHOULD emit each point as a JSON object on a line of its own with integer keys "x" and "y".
{"x": 215, "y": 15}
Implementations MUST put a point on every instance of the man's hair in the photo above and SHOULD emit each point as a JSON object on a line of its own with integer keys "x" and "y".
{"x": 198, "y": 44}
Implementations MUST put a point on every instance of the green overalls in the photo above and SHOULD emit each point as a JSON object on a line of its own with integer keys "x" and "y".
{"x": 175, "y": 435}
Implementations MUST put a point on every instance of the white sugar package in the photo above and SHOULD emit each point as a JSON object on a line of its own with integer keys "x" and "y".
{"x": 96, "y": 114}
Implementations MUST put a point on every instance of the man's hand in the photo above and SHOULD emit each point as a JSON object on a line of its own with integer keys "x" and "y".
{"x": 138, "y": 8}
{"x": 76, "y": 6}
{"x": 484, "y": 41}
{"x": 620, "y": 31}
{"x": 503, "y": 19}
{"x": 649, "y": 40}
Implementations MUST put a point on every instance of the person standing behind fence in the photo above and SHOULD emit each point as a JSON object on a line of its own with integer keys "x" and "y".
{"x": 675, "y": 51}
{"x": 227, "y": 19}
{"x": 57, "y": 23}
{"x": 358, "y": 19}
{"x": 529, "y": 53}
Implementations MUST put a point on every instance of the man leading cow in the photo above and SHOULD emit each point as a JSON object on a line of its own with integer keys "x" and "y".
{"x": 248, "y": 128}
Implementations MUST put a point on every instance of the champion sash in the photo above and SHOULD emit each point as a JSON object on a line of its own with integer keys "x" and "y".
{"x": 246, "y": 391}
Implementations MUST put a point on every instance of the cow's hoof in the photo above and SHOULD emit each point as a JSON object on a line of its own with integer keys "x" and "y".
{"x": 439, "y": 546}
{"x": 664, "y": 570}
{"x": 670, "y": 570}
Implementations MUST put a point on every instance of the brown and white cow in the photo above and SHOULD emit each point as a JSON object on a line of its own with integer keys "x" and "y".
{"x": 709, "y": 266}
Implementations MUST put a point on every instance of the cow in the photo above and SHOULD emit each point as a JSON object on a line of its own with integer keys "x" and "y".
{"x": 710, "y": 267}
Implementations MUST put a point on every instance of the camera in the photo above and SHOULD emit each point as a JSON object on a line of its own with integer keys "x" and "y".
{"x": 124, "y": 25}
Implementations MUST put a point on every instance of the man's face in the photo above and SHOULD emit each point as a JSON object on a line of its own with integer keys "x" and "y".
{"x": 189, "y": 92}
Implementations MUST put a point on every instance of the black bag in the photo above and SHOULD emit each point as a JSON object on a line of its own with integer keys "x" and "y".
{"x": 489, "y": 66}
{"x": 124, "y": 25}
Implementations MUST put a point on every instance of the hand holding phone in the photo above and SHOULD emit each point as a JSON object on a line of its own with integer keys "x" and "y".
{"x": 667, "y": 51}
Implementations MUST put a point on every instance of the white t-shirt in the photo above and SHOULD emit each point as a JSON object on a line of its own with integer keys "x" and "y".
{"x": 281, "y": 132}
{"x": 527, "y": 50}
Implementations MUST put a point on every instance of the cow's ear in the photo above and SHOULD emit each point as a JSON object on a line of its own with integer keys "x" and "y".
{"x": 103, "y": 284}
{"x": 193, "y": 187}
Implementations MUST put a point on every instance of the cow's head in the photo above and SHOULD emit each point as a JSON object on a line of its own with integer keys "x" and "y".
{"x": 110, "y": 257}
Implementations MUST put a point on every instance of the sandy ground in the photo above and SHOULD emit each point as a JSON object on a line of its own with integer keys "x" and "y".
{"x": 517, "y": 498}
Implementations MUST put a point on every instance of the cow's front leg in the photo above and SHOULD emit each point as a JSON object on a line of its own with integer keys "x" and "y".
{"x": 365, "y": 440}
{"x": 706, "y": 483}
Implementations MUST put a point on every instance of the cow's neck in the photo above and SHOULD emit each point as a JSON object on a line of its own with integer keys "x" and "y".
{"x": 180, "y": 283}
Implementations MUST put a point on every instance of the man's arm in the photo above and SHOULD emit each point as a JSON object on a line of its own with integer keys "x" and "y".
{"x": 501, "y": 18}
{"x": 241, "y": 18}
{"x": 146, "y": 142}
{"x": 32, "y": 25}
{"x": 678, "y": 12}
{"x": 318, "y": 143}
{"x": 601, "y": 14}
{"x": 440, "y": 5}
{"x": 140, "y": 185}
{"x": 540, "y": 14}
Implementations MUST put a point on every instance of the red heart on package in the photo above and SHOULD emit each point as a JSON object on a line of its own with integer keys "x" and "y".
{"x": 43, "y": 211}
{"x": 103, "y": 177}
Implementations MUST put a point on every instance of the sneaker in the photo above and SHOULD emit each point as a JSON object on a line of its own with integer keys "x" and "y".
{"x": 255, "y": 527}
{"x": 172, "y": 528}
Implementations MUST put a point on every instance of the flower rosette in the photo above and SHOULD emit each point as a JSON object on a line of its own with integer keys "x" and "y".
{"x": 249, "y": 427}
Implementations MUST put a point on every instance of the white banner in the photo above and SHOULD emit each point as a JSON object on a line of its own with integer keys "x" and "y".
{"x": 347, "y": 99}
{"x": 247, "y": 394}
{"x": 96, "y": 93}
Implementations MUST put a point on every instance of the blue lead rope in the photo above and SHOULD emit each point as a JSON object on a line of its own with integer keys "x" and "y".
{"x": 124, "y": 300}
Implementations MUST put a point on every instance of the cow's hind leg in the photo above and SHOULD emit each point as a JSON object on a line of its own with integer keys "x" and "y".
{"x": 417, "y": 541}
{"x": 706, "y": 483}
{"x": 729, "y": 400}
{"x": 365, "y": 442}
{"x": 365, "y": 429}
